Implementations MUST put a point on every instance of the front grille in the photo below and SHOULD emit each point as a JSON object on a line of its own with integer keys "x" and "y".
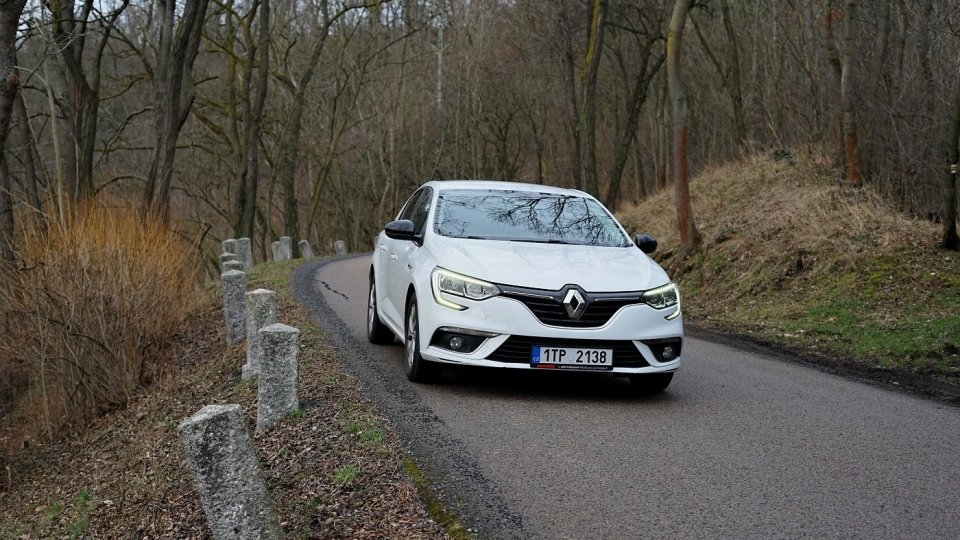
{"x": 519, "y": 349}
{"x": 547, "y": 306}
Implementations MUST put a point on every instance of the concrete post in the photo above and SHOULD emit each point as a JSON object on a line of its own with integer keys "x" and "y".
{"x": 261, "y": 311}
{"x": 245, "y": 252}
{"x": 277, "y": 385}
{"x": 225, "y": 467}
{"x": 305, "y": 250}
{"x": 224, "y": 257}
{"x": 234, "y": 286}
{"x": 276, "y": 250}
{"x": 286, "y": 248}
{"x": 339, "y": 247}
{"x": 230, "y": 246}
{"x": 232, "y": 265}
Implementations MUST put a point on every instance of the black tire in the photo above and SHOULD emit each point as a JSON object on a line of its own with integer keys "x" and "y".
{"x": 377, "y": 332}
{"x": 418, "y": 370}
{"x": 653, "y": 383}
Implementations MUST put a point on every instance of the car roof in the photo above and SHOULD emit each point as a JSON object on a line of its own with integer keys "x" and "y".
{"x": 444, "y": 185}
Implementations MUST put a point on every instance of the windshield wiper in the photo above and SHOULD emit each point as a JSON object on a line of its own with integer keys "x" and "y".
{"x": 543, "y": 241}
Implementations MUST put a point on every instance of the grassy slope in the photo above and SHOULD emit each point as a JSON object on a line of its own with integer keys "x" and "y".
{"x": 791, "y": 257}
{"x": 335, "y": 468}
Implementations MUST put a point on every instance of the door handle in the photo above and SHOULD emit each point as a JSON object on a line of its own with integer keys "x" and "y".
{"x": 393, "y": 257}
{"x": 383, "y": 247}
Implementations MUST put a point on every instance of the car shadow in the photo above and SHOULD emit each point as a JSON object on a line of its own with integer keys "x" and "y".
{"x": 548, "y": 385}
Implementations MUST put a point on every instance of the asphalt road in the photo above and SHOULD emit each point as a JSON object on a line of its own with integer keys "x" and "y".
{"x": 740, "y": 446}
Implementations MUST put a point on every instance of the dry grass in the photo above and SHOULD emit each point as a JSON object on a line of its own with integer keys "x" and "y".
{"x": 86, "y": 311}
{"x": 793, "y": 256}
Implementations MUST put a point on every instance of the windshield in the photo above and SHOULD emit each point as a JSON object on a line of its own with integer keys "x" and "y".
{"x": 526, "y": 216}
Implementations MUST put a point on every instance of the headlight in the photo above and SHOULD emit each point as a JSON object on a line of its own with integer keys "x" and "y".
{"x": 445, "y": 281}
{"x": 662, "y": 297}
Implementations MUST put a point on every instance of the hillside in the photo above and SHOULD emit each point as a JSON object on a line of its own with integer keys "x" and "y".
{"x": 792, "y": 258}
{"x": 335, "y": 468}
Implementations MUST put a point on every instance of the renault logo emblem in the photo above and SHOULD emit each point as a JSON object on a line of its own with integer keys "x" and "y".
{"x": 574, "y": 304}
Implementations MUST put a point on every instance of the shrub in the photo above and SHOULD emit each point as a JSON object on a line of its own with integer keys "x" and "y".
{"x": 86, "y": 312}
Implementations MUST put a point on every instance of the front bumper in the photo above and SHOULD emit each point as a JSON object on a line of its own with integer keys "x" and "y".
{"x": 512, "y": 326}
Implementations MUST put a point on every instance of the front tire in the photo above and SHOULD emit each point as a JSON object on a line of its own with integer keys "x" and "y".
{"x": 418, "y": 370}
{"x": 377, "y": 332}
{"x": 653, "y": 383}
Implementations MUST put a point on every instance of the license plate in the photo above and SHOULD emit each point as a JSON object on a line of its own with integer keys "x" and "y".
{"x": 571, "y": 358}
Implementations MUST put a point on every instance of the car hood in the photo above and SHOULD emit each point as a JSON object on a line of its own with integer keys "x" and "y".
{"x": 549, "y": 266}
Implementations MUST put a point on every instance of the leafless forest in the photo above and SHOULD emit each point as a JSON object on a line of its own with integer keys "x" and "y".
{"x": 315, "y": 118}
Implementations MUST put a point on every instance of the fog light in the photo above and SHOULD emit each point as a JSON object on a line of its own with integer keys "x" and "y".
{"x": 460, "y": 340}
{"x": 665, "y": 350}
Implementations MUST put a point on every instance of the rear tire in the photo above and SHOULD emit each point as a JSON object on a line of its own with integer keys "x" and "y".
{"x": 652, "y": 383}
{"x": 418, "y": 370}
{"x": 377, "y": 332}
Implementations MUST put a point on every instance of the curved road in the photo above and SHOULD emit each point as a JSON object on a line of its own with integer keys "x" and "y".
{"x": 740, "y": 445}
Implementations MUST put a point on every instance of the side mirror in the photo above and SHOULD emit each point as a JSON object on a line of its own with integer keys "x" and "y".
{"x": 401, "y": 229}
{"x": 647, "y": 244}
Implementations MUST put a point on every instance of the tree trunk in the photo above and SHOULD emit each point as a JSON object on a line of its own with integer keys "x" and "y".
{"x": 689, "y": 237}
{"x": 638, "y": 96}
{"x": 253, "y": 123}
{"x": 7, "y": 252}
{"x": 9, "y": 87}
{"x": 663, "y": 138}
{"x": 570, "y": 88}
{"x": 952, "y": 155}
{"x": 733, "y": 78}
{"x": 812, "y": 68}
{"x": 29, "y": 165}
{"x": 588, "y": 105}
{"x": 851, "y": 151}
{"x": 81, "y": 106}
{"x": 289, "y": 149}
{"x": 173, "y": 97}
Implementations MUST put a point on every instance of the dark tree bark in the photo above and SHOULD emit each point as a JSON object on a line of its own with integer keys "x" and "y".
{"x": 588, "y": 105}
{"x": 638, "y": 96}
{"x": 848, "y": 108}
{"x": 27, "y": 154}
{"x": 952, "y": 154}
{"x": 249, "y": 177}
{"x": 689, "y": 237}
{"x": 570, "y": 91}
{"x": 173, "y": 96}
{"x": 10, "y": 11}
{"x": 81, "y": 104}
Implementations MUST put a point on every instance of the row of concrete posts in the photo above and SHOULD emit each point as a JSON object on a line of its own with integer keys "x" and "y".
{"x": 219, "y": 448}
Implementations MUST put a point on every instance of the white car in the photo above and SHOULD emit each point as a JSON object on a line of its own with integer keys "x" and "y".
{"x": 521, "y": 276}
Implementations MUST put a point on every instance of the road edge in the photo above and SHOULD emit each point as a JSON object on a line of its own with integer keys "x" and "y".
{"x": 446, "y": 473}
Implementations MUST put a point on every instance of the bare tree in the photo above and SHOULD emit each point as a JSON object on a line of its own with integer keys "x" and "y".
{"x": 952, "y": 154}
{"x": 10, "y": 11}
{"x": 173, "y": 95}
{"x": 649, "y": 66}
{"x": 851, "y": 150}
{"x": 689, "y": 236}
{"x": 588, "y": 103}
{"x": 253, "y": 105}
{"x": 729, "y": 71}
{"x": 80, "y": 103}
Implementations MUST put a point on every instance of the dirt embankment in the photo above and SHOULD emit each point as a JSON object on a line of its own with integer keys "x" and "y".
{"x": 792, "y": 258}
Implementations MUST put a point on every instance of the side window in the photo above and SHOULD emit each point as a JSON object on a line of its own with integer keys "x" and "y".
{"x": 422, "y": 210}
{"x": 411, "y": 205}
